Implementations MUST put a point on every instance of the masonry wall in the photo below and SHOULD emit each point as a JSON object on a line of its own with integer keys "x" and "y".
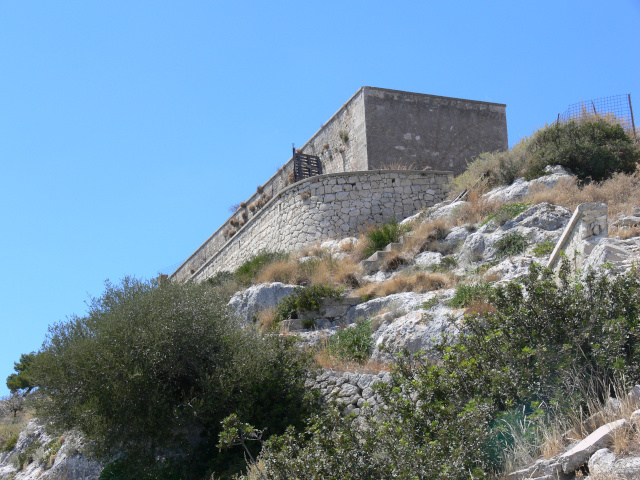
{"x": 319, "y": 208}
{"x": 341, "y": 143}
{"x": 442, "y": 133}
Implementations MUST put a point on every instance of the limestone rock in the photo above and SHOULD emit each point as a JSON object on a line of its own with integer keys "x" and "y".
{"x": 418, "y": 330}
{"x": 580, "y": 453}
{"x": 604, "y": 464}
{"x": 68, "y": 464}
{"x": 511, "y": 268}
{"x": 457, "y": 236}
{"x": 538, "y": 224}
{"x": 428, "y": 259}
{"x": 401, "y": 302}
{"x": 443, "y": 210}
{"x": 619, "y": 254}
{"x": 246, "y": 303}
{"x": 521, "y": 188}
{"x": 544, "y": 216}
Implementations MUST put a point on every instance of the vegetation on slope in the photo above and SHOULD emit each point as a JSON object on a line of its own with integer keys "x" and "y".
{"x": 152, "y": 370}
{"x": 446, "y": 420}
{"x": 593, "y": 148}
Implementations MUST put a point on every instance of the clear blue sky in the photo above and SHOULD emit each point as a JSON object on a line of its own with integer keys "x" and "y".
{"x": 127, "y": 129}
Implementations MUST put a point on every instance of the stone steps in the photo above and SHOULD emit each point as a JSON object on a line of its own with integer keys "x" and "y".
{"x": 375, "y": 261}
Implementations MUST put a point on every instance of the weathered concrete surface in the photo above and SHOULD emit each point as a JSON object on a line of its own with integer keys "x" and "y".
{"x": 430, "y": 131}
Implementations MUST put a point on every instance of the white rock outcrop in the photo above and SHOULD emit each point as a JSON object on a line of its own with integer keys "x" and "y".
{"x": 247, "y": 303}
{"x": 44, "y": 461}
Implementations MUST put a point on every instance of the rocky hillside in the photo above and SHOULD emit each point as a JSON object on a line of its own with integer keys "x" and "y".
{"x": 409, "y": 296}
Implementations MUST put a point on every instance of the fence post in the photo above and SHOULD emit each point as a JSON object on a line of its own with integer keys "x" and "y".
{"x": 633, "y": 123}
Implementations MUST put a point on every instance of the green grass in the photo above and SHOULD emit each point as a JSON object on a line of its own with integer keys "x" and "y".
{"x": 250, "y": 269}
{"x": 380, "y": 237}
{"x": 544, "y": 248}
{"x": 512, "y": 244}
{"x": 506, "y": 212}
{"x": 305, "y": 298}
{"x": 465, "y": 295}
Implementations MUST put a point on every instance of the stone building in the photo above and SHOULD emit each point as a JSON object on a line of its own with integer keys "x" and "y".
{"x": 380, "y": 128}
{"x": 385, "y": 154}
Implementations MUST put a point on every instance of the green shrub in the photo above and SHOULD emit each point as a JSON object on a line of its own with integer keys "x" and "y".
{"x": 544, "y": 248}
{"x": 466, "y": 294}
{"x": 152, "y": 369}
{"x": 29, "y": 454}
{"x": 248, "y": 271}
{"x": 21, "y": 380}
{"x": 506, "y": 212}
{"x": 511, "y": 244}
{"x": 380, "y": 237}
{"x": 446, "y": 264}
{"x": 10, "y": 443}
{"x": 449, "y": 419}
{"x": 305, "y": 298}
{"x": 352, "y": 343}
{"x": 593, "y": 150}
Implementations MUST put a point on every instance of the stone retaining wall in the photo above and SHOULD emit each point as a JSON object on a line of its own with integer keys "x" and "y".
{"x": 351, "y": 390}
{"x": 324, "y": 207}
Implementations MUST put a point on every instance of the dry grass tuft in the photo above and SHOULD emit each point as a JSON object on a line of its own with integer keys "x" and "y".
{"x": 397, "y": 166}
{"x": 480, "y": 307}
{"x": 631, "y": 232}
{"x": 325, "y": 360}
{"x": 420, "y": 282}
{"x": 394, "y": 261}
{"x": 324, "y": 271}
{"x": 266, "y": 319}
{"x": 361, "y": 245}
{"x": 621, "y": 193}
{"x": 10, "y": 425}
{"x": 426, "y": 236}
{"x": 476, "y": 209}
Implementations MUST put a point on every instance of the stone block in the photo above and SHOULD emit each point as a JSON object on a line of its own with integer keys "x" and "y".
{"x": 580, "y": 453}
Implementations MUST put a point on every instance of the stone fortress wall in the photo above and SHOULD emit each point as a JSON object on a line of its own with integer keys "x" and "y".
{"x": 375, "y": 129}
{"x": 326, "y": 206}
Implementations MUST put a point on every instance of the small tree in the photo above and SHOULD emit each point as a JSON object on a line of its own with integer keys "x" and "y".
{"x": 12, "y": 404}
{"x": 21, "y": 381}
{"x": 154, "y": 369}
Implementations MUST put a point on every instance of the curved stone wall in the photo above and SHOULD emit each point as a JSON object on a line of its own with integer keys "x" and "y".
{"x": 327, "y": 206}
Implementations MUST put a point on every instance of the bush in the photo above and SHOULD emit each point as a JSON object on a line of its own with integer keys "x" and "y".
{"x": 152, "y": 370}
{"x": 305, "y": 298}
{"x": 445, "y": 419}
{"x": 10, "y": 443}
{"x": 380, "y": 237}
{"x": 466, "y": 294}
{"x": 352, "y": 343}
{"x": 542, "y": 249}
{"x": 593, "y": 150}
{"x": 511, "y": 244}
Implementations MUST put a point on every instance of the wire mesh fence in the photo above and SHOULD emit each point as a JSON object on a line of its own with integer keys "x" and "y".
{"x": 618, "y": 105}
